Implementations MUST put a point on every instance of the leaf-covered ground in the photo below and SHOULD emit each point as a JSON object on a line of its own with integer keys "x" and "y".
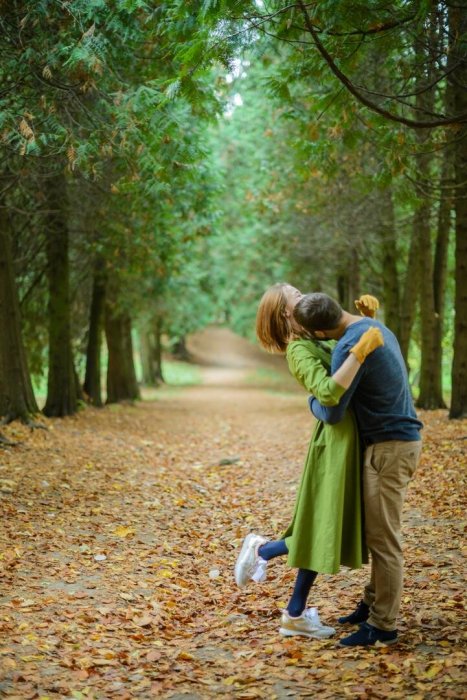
{"x": 121, "y": 529}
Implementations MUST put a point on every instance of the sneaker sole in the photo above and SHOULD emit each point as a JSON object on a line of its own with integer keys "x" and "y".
{"x": 295, "y": 633}
{"x": 386, "y": 643}
{"x": 241, "y": 581}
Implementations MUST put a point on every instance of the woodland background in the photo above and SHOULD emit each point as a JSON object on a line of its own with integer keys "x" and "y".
{"x": 163, "y": 163}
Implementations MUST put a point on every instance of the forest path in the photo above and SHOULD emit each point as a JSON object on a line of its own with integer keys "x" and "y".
{"x": 122, "y": 527}
{"x": 226, "y": 359}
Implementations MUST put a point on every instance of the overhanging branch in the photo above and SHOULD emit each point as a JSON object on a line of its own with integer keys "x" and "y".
{"x": 345, "y": 80}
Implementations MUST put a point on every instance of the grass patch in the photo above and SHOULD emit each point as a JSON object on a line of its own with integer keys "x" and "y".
{"x": 181, "y": 373}
{"x": 176, "y": 375}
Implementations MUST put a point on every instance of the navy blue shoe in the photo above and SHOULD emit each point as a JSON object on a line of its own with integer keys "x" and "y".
{"x": 359, "y": 615}
{"x": 368, "y": 635}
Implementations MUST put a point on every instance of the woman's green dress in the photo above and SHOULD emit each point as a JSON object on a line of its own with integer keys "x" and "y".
{"x": 327, "y": 529}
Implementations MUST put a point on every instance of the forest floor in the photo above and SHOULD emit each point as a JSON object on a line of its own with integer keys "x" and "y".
{"x": 121, "y": 530}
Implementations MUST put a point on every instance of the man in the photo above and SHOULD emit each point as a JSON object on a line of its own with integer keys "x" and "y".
{"x": 390, "y": 433}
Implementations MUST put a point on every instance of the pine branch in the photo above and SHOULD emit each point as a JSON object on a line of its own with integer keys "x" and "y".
{"x": 345, "y": 80}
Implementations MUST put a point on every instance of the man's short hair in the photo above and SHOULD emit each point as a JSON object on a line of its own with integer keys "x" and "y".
{"x": 318, "y": 312}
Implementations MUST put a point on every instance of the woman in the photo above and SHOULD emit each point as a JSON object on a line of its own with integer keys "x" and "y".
{"x": 326, "y": 529}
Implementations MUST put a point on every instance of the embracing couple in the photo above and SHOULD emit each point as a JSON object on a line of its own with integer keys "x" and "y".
{"x": 361, "y": 398}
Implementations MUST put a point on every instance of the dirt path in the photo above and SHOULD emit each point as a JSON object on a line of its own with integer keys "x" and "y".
{"x": 220, "y": 347}
{"x": 121, "y": 528}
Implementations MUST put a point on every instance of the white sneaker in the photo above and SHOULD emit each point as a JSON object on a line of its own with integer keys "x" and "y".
{"x": 249, "y": 565}
{"x": 307, "y": 625}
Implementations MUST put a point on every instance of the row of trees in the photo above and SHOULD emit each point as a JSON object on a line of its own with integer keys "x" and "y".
{"x": 371, "y": 100}
{"x": 104, "y": 195}
{"x": 136, "y": 191}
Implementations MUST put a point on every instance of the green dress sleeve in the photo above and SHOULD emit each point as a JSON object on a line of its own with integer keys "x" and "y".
{"x": 310, "y": 365}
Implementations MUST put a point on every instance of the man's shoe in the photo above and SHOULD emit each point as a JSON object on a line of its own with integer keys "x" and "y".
{"x": 360, "y": 614}
{"x": 249, "y": 565}
{"x": 307, "y": 625}
{"x": 368, "y": 635}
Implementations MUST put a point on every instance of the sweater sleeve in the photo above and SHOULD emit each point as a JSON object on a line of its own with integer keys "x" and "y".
{"x": 335, "y": 414}
{"x": 310, "y": 371}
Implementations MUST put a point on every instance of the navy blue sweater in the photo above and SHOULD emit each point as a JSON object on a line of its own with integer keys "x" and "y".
{"x": 379, "y": 394}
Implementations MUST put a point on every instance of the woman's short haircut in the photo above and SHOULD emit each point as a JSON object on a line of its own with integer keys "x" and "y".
{"x": 318, "y": 312}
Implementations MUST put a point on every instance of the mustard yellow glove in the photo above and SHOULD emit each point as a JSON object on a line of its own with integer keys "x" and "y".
{"x": 369, "y": 341}
{"x": 367, "y": 305}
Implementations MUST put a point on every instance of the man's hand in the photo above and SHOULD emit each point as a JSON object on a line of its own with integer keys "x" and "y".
{"x": 367, "y": 305}
{"x": 369, "y": 341}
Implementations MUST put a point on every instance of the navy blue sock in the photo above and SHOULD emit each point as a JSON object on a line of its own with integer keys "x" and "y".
{"x": 269, "y": 550}
{"x": 304, "y": 581}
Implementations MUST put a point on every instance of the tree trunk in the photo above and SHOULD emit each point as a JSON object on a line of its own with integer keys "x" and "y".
{"x": 458, "y": 25}
{"x": 147, "y": 365}
{"x": 16, "y": 393}
{"x": 348, "y": 280}
{"x": 444, "y": 229}
{"x": 440, "y": 266}
{"x": 79, "y": 389}
{"x": 391, "y": 290}
{"x": 158, "y": 349}
{"x": 459, "y": 365}
{"x": 121, "y": 375}
{"x": 180, "y": 350}
{"x": 409, "y": 295}
{"x": 354, "y": 278}
{"x": 342, "y": 297}
{"x": 431, "y": 395}
{"x": 92, "y": 380}
{"x": 151, "y": 353}
{"x": 62, "y": 390}
{"x": 419, "y": 279}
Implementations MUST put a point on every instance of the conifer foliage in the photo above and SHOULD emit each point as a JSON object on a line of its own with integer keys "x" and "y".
{"x": 163, "y": 163}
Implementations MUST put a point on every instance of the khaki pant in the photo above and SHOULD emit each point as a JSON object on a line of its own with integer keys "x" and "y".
{"x": 387, "y": 470}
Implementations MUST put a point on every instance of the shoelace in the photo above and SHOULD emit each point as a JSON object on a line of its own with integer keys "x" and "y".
{"x": 312, "y": 614}
{"x": 259, "y": 572}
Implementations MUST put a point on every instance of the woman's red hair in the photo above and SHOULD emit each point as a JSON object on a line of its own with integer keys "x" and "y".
{"x": 273, "y": 328}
